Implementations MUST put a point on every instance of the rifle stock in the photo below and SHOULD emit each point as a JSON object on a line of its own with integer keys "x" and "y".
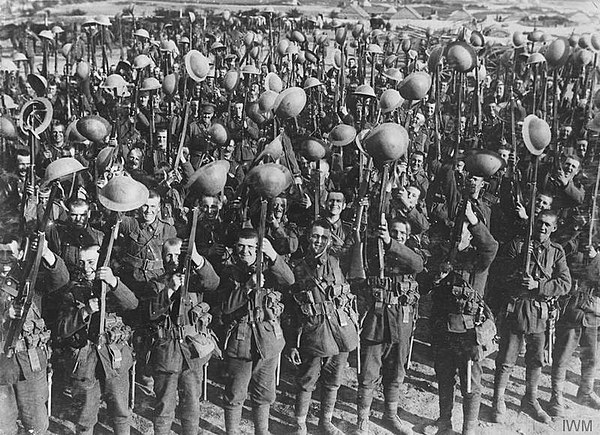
{"x": 103, "y": 286}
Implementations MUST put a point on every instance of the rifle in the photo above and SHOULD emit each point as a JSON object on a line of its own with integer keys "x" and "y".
{"x": 186, "y": 117}
{"x": 357, "y": 265}
{"x": 29, "y": 274}
{"x": 132, "y": 385}
{"x": 292, "y": 163}
{"x": 383, "y": 207}
{"x": 49, "y": 375}
{"x": 183, "y": 321}
{"x": 103, "y": 286}
{"x": 412, "y": 336}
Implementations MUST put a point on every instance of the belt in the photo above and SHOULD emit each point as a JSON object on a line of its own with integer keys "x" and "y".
{"x": 145, "y": 264}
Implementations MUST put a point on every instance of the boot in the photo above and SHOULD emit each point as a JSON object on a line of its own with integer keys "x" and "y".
{"x": 530, "y": 404}
{"x": 498, "y": 405}
{"x": 232, "y": 420}
{"x": 470, "y": 414}
{"x": 392, "y": 422}
{"x": 590, "y": 399}
{"x": 327, "y": 406}
{"x": 365, "y": 398}
{"x": 585, "y": 394}
{"x": 303, "y": 399}
{"x": 260, "y": 415}
{"x": 439, "y": 427}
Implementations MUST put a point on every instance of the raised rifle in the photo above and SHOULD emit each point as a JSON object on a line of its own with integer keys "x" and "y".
{"x": 186, "y": 118}
{"x": 103, "y": 286}
{"x": 29, "y": 269}
{"x": 183, "y": 321}
{"x": 357, "y": 264}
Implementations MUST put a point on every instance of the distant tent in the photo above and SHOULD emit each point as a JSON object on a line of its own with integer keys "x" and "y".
{"x": 461, "y": 15}
{"x": 407, "y": 13}
{"x": 580, "y": 17}
{"x": 354, "y": 11}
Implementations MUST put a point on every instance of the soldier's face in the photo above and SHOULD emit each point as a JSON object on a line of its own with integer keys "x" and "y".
{"x": 542, "y": 202}
{"x": 8, "y": 257}
{"x": 162, "y": 140}
{"x": 319, "y": 240}
{"x": 475, "y": 184}
{"x": 399, "y": 232}
{"x": 150, "y": 210}
{"x": 278, "y": 207}
{"x": 570, "y": 167}
{"x": 171, "y": 256}
{"x": 79, "y": 215}
{"x": 135, "y": 160}
{"x": 210, "y": 207}
{"x": 545, "y": 225}
{"x": 88, "y": 262}
{"x": 238, "y": 110}
{"x": 23, "y": 163}
{"x": 58, "y": 136}
{"x": 335, "y": 203}
{"x": 246, "y": 250}
{"x": 416, "y": 163}
{"x": 144, "y": 100}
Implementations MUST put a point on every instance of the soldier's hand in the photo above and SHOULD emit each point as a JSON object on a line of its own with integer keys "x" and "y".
{"x": 197, "y": 259}
{"x": 217, "y": 249}
{"x": 185, "y": 154}
{"x": 384, "y": 233}
{"x": 268, "y": 250}
{"x": 562, "y": 178}
{"x": 29, "y": 189}
{"x": 294, "y": 356}
{"x": 305, "y": 202}
{"x": 520, "y": 209}
{"x": 176, "y": 281}
{"x": 105, "y": 274}
{"x": 529, "y": 282}
{"x": 93, "y": 306}
{"x": 47, "y": 254}
{"x": 16, "y": 311}
{"x": 591, "y": 251}
{"x": 470, "y": 214}
{"x": 253, "y": 282}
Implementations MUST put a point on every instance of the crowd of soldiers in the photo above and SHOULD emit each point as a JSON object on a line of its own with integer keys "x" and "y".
{"x": 233, "y": 194}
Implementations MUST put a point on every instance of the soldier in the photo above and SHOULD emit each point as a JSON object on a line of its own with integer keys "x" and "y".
{"x": 459, "y": 317}
{"x": 528, "y": 308}
{"x": 23, "y": 382}
{"x": 177, "y": 357}
{"x": 324, "y": 328}
{"x": 254, "y": 338}
{"x": 578, "y": 325}
{"x": 97, "y": 364}
{"x": 66, "y": 238}
{"x": 387, "y": 327}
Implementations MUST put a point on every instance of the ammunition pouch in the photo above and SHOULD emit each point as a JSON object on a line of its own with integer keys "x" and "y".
{"x": 34, "y": 336}
{"x": 116, "y": 332}
{"x": 312, "y": 303}
{"x": 394, "y": 291}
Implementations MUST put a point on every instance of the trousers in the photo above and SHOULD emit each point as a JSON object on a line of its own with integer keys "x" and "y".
{"x": 328, "y": 369}
{"x": 383, "y": 363}
{"x": 25, "y": 400}
{"x": 254, "y": 377}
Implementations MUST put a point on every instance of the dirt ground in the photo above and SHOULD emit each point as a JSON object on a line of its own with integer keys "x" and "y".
{"x": 418, "y": 405}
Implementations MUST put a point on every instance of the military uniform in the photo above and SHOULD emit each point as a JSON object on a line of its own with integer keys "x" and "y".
{"x": 179, "y": 352}
{"x": 253, "y": 341}
{"x": 386, "y": 330}
{"x": 458, "y": 317}
{"x": 578, "y": 325}
{"x": 65, "y": 240}
{"x": 142, "y": 244}
{"x": 325, "y": 330}
{"x": 526, "y": 314}
{"x": 23, "y": 383}
{"x": 96, "y": 363}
